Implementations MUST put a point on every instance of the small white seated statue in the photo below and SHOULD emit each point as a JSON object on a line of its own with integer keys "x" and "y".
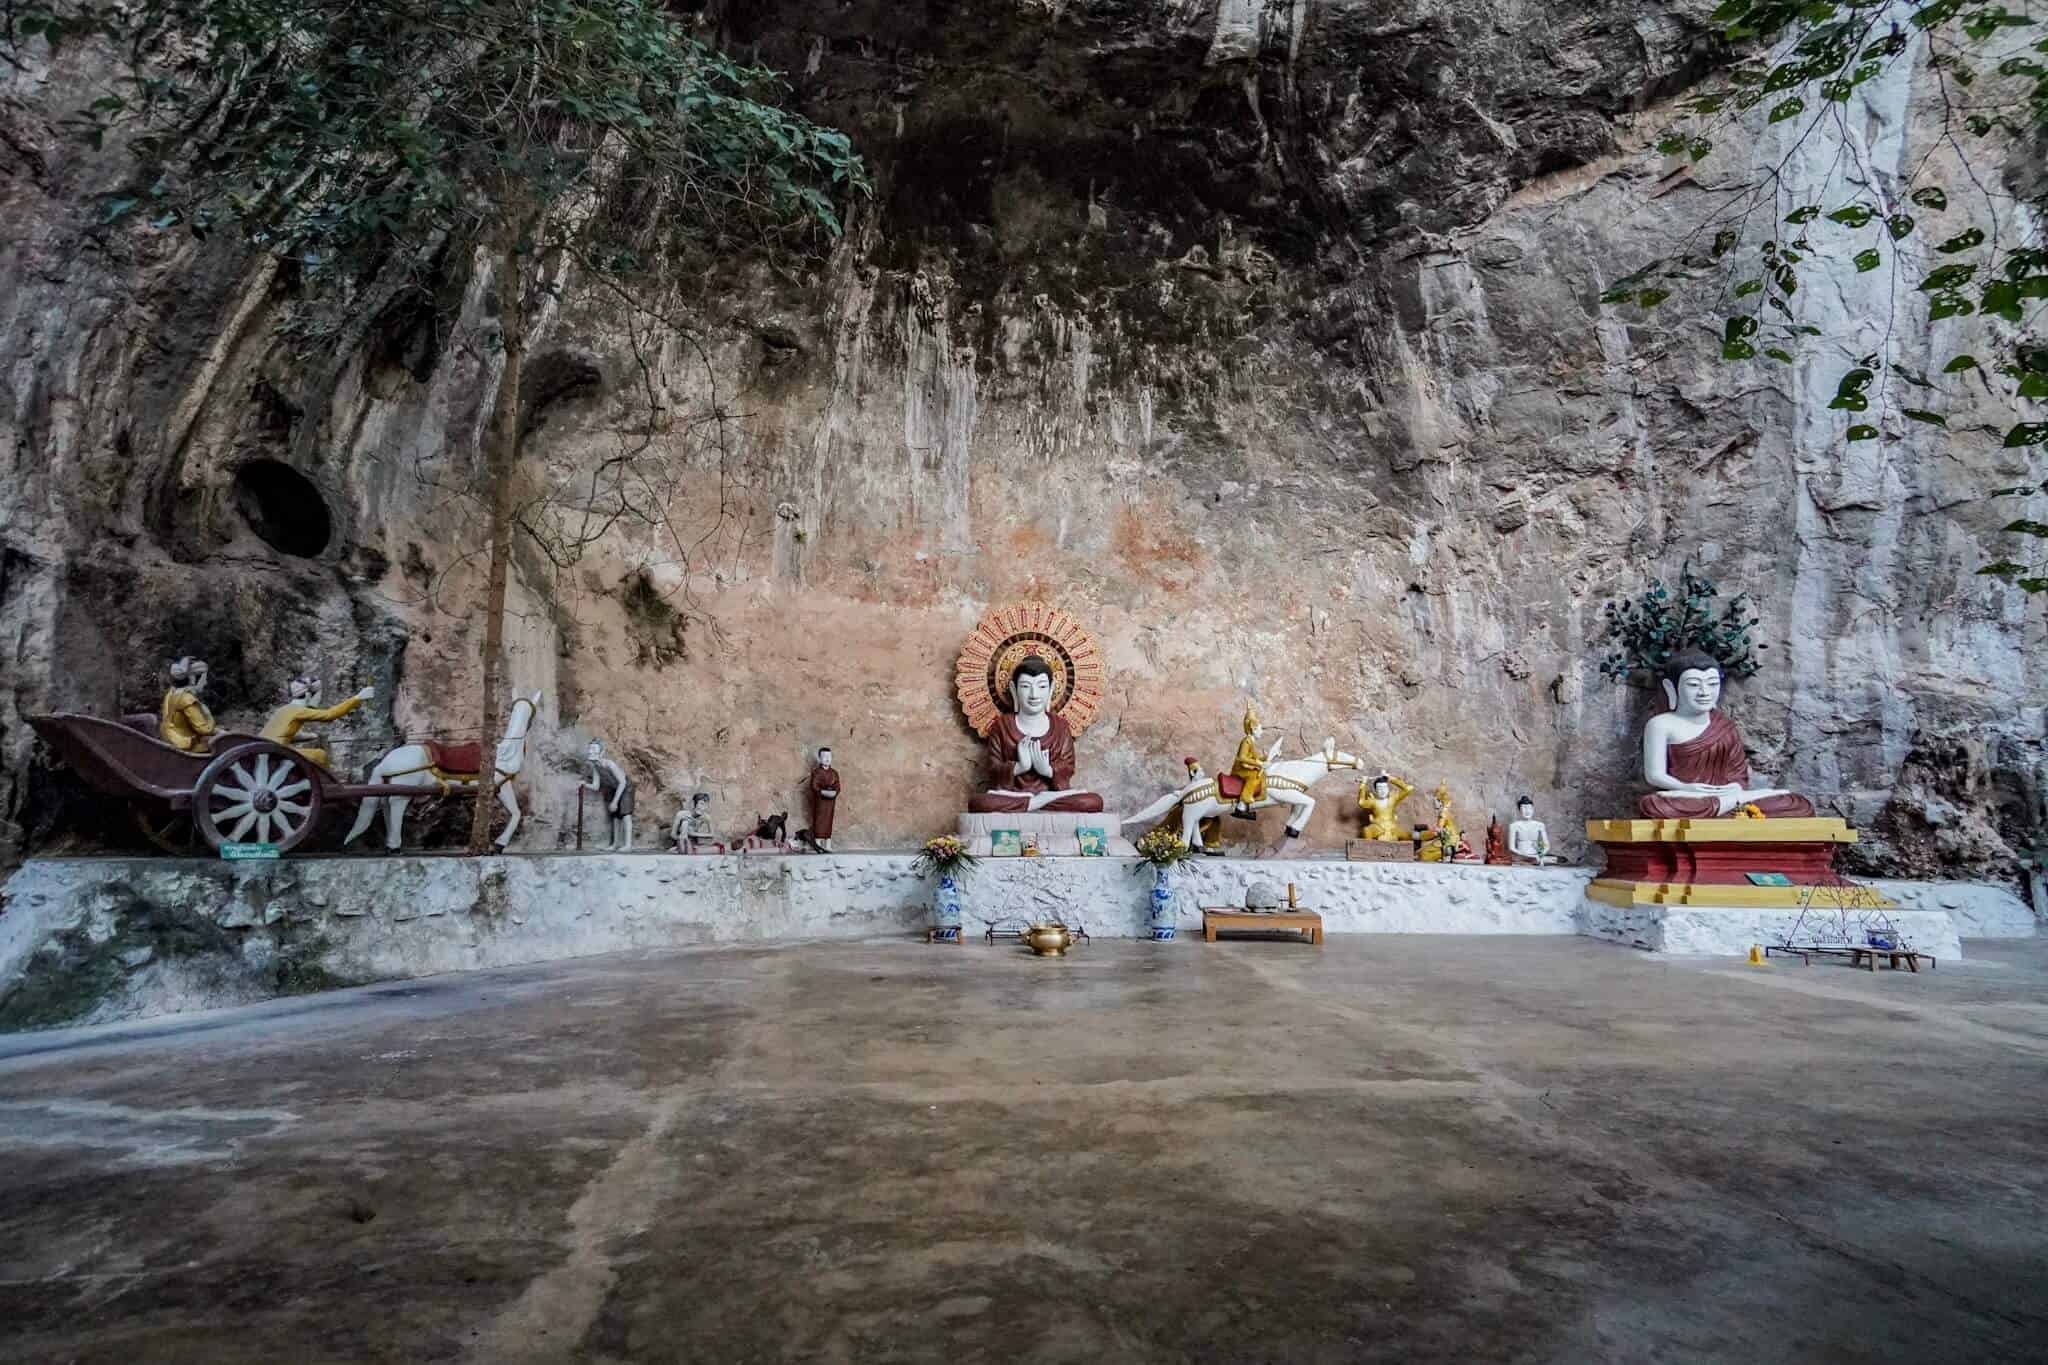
{"x": 1528, "y": 839}
{"x": 691, "y": 831}
{"x": 1693, "y": 755}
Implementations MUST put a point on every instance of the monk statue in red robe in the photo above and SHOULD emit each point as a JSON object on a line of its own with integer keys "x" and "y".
{"x": 1031, "y": 752}
{"x": 1693, "y": 755}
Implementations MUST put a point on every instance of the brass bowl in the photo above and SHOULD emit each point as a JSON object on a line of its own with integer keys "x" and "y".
{"x": 1049, "y": 940}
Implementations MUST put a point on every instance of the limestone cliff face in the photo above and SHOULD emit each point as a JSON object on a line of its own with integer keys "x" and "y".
{"x": 1263, "y": 336}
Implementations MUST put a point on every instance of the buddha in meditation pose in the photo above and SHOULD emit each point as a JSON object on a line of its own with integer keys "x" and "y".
{"x": 1031, "y": 752}
{"x": 1693, "y": 755}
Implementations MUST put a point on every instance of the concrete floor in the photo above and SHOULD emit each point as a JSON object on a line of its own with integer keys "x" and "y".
{"x": 1396, "y": 1148}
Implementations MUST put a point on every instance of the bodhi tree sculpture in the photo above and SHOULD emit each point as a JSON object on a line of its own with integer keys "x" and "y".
{"x": 549, "y": 141}
{"x": 1644, "y": 631}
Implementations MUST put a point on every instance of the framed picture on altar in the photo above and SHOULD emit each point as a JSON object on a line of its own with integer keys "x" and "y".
{"x": 1768, "y": 879}
{"x": 1094, "y": 842}
{"x": 1006, "y": 843}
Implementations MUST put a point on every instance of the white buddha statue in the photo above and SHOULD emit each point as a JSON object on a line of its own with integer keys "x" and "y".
{"x": 1031, "y": 752}
{"x": 1693, "y": 755}
{"x": 1528, "y": 838}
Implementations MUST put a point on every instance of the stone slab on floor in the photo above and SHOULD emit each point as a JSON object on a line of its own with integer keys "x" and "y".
{"x": 1401, "y": 1148}
{"x": 1730, "y": 931}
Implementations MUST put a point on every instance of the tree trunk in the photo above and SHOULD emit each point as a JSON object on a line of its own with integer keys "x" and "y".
{"x": 501, "y": 462}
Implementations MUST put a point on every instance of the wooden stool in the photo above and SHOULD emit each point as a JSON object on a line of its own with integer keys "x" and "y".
{"x": 1301, "y": 921}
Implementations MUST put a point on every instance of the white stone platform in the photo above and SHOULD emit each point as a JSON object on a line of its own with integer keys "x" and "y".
{"x": 1730, "y": 931}
{"x": 1057, "y": 832}
{"x": 383, "y": 918}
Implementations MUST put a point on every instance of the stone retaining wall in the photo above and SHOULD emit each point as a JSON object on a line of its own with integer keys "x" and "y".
{"x": 99, "y": 938}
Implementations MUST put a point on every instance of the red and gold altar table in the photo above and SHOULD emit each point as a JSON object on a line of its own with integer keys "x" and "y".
{"x": 1733, "y": 862}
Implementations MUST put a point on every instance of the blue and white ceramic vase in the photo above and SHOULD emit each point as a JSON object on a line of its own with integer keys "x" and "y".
{"x": 1164, "y": 919}
{"x": 946, "y": 910}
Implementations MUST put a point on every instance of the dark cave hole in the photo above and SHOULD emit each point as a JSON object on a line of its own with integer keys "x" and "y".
{"x": 283, "y": 507}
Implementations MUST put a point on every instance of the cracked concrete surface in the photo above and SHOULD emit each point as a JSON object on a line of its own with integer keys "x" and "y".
{"x": 1389, "y": 1149}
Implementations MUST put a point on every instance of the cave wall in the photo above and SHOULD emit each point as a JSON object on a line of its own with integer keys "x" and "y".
{"x": 1261, "y": 336}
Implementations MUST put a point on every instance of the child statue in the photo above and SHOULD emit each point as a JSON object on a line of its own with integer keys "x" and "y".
{"x": 692, "y": 832}
{"x": 1379, "y": 799}
{"x": 615, "y": 786}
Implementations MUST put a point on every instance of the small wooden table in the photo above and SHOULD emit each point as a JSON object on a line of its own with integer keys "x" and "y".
{"x": 1913, "y": 959}
{"x": 1301, "y": 921}
{"x": 1807, "y": 952}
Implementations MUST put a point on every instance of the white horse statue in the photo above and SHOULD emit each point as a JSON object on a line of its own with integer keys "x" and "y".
{"x": 445, "y": 768}
{"x": 1287, "y": 784}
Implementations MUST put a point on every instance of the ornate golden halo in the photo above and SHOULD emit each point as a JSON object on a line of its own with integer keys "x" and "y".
{"x": 1004, "y": 638}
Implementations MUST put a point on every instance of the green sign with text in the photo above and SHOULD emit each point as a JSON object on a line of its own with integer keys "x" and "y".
{"x": 236, "y": 853}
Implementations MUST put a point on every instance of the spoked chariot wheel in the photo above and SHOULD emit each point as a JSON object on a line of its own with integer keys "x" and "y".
{"x": 259, "y": 793}
{"x": 168, "y": 829}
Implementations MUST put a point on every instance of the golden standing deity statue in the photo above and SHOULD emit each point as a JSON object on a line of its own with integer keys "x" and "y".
{"x": 1380, "y": 799}
{"x": 1446, "y": 822}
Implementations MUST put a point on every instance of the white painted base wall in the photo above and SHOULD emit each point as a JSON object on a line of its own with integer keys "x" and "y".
{"x": 1729, "y": 932}
{"x": 371, "y": 918}
{"x": 1979, "y": 909}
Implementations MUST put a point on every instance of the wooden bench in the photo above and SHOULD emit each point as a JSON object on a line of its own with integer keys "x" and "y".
{"x": 1913, "y": 958}
{"x": 1806, "y": 952}
{"x": 1300, "y": 921}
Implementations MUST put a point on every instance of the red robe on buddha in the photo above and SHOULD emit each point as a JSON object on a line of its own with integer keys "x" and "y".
{"x": 1713, "y": 758}
{"x": 1058, "y": 743}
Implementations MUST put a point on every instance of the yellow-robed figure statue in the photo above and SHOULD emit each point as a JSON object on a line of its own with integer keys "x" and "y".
{"x": 1250, "y": 766}
{"x": 303, "y": 707}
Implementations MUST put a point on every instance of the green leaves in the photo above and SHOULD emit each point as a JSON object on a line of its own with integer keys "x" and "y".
{"x": 1947, "y": 277}
{"x": 1936, "y": 14}
{"x": 1923, "y": 415}
{"x": 2004, "y": 298}
{"x": 1735, "y": 334}
{"x": 1805, "y": 213}
{"x": 1962, "y": 241}
{"x": 1849, "y": 393}
{"x": 1960, "y": 364}
{"x": 1981, "y": 24}
{"x": 1862, "y": 431}
{"x": 1898, "y": 225}
{"x": 1784, "y": 109}
{"x": 1866, "y": 260}
{"x": 1930, "y": 197}
{"x": 2027, "y": 434}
